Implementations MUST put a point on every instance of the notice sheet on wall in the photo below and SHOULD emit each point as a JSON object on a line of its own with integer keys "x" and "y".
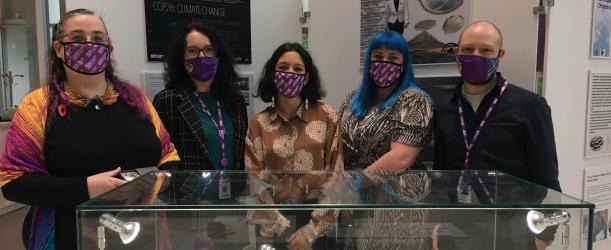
{"x": 598, "y": 191}
{"x": 153, "y": 83}
{"x": 598, "y": 127}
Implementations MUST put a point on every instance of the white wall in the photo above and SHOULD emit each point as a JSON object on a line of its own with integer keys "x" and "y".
{"x": 125, "y": 23}
{"x": 519, "y": 26}
{"x": 272, "y": 23}
{"x": 568, "y": 63}
{"x": 335, "y": 46}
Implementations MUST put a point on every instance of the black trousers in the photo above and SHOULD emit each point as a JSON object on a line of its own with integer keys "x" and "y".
{"x": 396, "y": 27}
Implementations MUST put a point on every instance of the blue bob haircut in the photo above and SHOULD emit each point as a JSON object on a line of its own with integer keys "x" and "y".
{"x": 361, "y": 103}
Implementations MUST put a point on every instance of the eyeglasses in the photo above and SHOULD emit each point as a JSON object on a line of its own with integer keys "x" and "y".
{"x": 96, "y": 37}
{"x": 193, "y": 52}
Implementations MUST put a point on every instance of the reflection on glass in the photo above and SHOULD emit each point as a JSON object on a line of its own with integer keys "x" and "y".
{"x": 378, "y": 189}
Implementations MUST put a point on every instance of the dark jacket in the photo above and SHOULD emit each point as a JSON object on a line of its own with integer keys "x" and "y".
{"x": 179, "y": 116}
{"x": 517, "y": 139}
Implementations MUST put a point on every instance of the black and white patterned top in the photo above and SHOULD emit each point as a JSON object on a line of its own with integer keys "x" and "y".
{"x": 408, "y": 121}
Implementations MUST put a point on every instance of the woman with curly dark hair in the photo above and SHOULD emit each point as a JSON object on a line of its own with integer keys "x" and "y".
{"x": 69, "y": 139}
{"x": 200, "y": 105}
{"x": 289, "y": 145}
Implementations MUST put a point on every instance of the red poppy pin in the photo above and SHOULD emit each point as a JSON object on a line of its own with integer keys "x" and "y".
{"x": 62, "y": 110}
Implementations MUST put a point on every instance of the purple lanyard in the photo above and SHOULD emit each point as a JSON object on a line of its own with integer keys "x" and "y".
{"x": 218, "y": 124}
{"x": 469, "y": 146}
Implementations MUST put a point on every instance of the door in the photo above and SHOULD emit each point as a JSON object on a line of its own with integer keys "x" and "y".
{"x": 19, "y": 64}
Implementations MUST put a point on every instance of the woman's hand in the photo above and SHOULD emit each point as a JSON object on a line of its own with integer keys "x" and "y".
{"x": 298, "y": 241}
{"x": 435, "y": 237}
{"x": 540, "y": 244}
{"x": 400, "y": 157}
{"x": 103, "y": 182}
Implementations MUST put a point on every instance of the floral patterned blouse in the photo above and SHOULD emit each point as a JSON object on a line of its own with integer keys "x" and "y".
{"x": 306, "y": 145}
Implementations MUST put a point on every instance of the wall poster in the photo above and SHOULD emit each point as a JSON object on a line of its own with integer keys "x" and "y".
{"x": 601, "y": 29}
{"x": 166, "y": 17}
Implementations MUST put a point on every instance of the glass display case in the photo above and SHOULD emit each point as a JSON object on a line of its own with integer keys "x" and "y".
{"x": 333, "y": 210}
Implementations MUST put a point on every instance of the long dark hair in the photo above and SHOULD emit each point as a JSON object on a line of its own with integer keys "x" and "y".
{"x": 176, "y": 75}
{"x": 57, "y": 76}
{"x": 312, "y": 91}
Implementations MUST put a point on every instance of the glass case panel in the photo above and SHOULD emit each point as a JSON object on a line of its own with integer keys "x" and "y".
{"x": 339, "y": 210}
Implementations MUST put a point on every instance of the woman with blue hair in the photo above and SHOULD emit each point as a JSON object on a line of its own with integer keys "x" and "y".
{"x": 385, "y": 123}
{"x": 387, "y": 120}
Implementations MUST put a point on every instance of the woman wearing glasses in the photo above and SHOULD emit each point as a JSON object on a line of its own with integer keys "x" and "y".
{"x": 69, "y": 139}
{"x": 205, "y": 116}
{"x": 200, "y": 106}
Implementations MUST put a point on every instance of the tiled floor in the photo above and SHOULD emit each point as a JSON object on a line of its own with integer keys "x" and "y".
{"x": 10, "y": 229}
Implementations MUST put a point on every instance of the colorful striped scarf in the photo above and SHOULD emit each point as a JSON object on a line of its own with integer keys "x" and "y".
{"x": 23, "y": 153}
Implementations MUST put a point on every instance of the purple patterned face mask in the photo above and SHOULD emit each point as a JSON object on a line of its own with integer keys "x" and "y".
{"x": 477, "y": 70}
{"x": 384, "y": 73}
{"x": 289, "y": 84}
{"x": 202, "y": 68}
{"x": 86, "y": 58}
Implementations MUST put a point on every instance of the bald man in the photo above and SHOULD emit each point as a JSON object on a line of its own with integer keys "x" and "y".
{"x": 487, "y": 123}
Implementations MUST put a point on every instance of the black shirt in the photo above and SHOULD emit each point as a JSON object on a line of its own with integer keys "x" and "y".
{"x": 518, "y": 137}
{"x": 84, "y": 143}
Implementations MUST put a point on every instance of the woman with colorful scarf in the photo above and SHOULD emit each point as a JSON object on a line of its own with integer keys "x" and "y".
{"x": 69, "y": 139}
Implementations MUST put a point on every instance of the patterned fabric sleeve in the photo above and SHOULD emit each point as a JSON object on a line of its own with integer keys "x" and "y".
{"x": 272, "y": 222}
{"x": 168, "y": 152}
{"x": 23, "y": 150}
{"x": 413, "y": 119}
{"x": 334, "y": 160}
{"x": 23, "y": 153}
{"x": 254, "y": 149}
{"x": 346, "y": 104}
{"x": 322, "y": 220}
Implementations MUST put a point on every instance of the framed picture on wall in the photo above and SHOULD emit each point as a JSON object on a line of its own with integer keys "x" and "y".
{"x": 430, "y": 26}
{"x": 601, "y": 30}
